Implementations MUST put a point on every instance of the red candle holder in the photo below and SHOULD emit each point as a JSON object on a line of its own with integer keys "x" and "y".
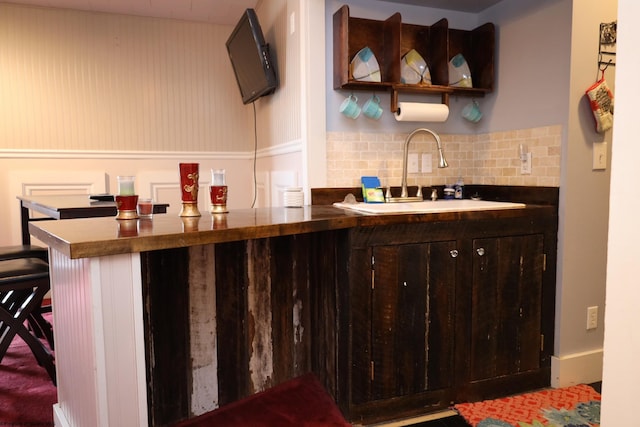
{"x": 145, "y": 226}
{"x": 127, "y": 207}
{"x": 218, "y": 194}
{"x": 145, "y": 208}
{"x": 189, "y": 175}
{"x": 190, "y": 224}
{"x": 127, "y": 228}
{"x": 218, "y": 221}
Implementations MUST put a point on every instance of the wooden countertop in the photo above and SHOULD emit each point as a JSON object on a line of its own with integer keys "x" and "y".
{"x": 92, "y": 237}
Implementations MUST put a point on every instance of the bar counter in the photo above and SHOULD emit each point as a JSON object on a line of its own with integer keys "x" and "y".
{"x": 92, "y": 237}
{"x": 161, "y": 320}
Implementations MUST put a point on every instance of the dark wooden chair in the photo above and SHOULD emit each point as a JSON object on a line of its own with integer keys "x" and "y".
{"x": 39, "y": 325}
{"x": 23, "y": 251}
{"x": 24, "y": 281}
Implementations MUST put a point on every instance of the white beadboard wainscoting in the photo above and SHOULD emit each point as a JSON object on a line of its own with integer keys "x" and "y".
{"x": 75, "y": 80}
{"x": 32, "y": 173}
{"x": 87, "y": 93}
{"x": 93, "y": 381}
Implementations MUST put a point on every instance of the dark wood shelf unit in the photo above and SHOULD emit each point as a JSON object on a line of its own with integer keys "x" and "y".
{"x": 391, "y": 39}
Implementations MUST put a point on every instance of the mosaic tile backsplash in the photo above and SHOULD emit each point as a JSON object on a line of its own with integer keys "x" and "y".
{"x": 490, "y": 159}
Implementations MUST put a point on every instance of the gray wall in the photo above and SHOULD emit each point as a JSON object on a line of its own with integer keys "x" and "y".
{"x": 546, "y": 59}
{"x": 379, "y": 10}
{"x": 532, "y": 64}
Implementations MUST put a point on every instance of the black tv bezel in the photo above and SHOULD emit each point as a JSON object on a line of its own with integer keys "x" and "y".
{"x": 262, "y": 49}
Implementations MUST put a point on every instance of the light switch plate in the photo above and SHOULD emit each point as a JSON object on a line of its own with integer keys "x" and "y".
{"x": 412, "y": 165}
{"x": 599, "y": 155}
{"x": 426, "y": 163}
{"x": 592, "y": 317}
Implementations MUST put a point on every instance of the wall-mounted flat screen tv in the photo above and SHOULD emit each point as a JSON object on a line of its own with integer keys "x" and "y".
{"x": 251, "y": 59}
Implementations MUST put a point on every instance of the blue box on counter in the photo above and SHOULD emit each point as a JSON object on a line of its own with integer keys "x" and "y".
{"x": 371, "y": 191}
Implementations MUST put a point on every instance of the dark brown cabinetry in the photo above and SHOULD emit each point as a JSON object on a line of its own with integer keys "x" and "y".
{"x": 403, "y": 306}
{"x": 445, "y": 312}
{"x": 506, "y": 301}
{"x": 391, "y": 39}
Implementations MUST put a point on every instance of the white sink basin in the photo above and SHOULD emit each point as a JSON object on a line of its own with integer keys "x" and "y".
{"x": 429, "y": 206}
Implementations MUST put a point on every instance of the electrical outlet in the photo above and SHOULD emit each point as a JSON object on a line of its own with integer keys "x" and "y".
{"x": 599, "y": 155}
{"x": 427, "y": 159}
{"x": 412, "y": 163}
{"x": 592, "y": 317}
{"x": 525, "y": 164}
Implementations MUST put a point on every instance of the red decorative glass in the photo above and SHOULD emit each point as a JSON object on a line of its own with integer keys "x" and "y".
{"x": 189, "y": 175}
{"x": 127, "y": 207}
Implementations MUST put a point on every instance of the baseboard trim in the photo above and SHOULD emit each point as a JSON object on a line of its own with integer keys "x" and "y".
{"x": 407, "y": 422}
{"x": 577, "y": 368}
{"x": 59, "y": 419}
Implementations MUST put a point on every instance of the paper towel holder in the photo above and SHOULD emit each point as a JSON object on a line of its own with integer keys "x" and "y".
{"x": 422, "y": 90}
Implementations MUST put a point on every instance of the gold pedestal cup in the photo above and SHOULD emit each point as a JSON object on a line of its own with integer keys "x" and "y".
{"x": 127, "y": 207}
{"x": 189, "y": 175}
{"x": 218, "y": 194}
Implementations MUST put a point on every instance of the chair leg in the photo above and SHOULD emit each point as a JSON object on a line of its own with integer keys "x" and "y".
{"x": 10, "y": 303}
{"x": 41, "y": 328}
{"x": 13, "y": 316}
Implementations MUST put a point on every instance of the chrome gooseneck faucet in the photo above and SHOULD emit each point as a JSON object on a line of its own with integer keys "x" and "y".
{"x": 442, "y": 164}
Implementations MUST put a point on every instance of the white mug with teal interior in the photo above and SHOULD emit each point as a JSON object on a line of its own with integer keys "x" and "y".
{"x": 472, "y": 112}
{"x": 372, "y": 108}
{"x": 350, "y": 107}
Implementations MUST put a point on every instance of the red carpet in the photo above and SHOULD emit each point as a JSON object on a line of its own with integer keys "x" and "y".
{"x": 27, "y": 394}
{"x": 571, "y": 406}
{"x": 300, "y": 402}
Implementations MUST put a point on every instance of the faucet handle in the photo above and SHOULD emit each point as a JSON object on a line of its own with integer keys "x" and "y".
{"x": 434, "y": 194}
{"x": 387, "y": 194}
{"x": 419, "y": 193}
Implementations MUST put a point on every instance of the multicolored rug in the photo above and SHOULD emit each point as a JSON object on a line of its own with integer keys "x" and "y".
{"x": 576, "y": 406}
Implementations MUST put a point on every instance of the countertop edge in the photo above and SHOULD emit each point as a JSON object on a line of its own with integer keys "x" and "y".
{"x": 332, "y": 219}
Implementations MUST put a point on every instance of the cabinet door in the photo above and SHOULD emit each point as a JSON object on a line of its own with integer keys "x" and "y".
{"x": 410, "y": 332}
{"x": 506, "y": 305}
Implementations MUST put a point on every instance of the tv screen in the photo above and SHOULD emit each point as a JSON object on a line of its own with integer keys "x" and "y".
{"x": 250, "y": 58}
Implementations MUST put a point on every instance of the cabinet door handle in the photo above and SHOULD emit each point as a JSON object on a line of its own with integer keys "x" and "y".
{"x": 453, "y": 253}
{"x": 480, "y": 251}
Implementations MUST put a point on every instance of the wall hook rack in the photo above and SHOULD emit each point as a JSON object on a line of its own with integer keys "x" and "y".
{"x": 607, "y": 44}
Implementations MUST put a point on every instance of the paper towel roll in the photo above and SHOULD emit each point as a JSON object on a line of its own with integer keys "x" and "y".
{"x": 421, "y": 112}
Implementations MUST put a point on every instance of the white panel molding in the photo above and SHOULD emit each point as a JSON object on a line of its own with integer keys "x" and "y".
{"x": 37, "y": 182}
{"x": 164, "y": 186}
{"x": 39, "y": 189}
{"x": 277, "y": 150}
{"x": 157, "y": 182}
{"x": 50, "y": 182}
{"x": 263, "y": 197}
{"x": 124, "y": 155}
{"x": 281, "y": 180}
{"x": 294, "y": 146}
